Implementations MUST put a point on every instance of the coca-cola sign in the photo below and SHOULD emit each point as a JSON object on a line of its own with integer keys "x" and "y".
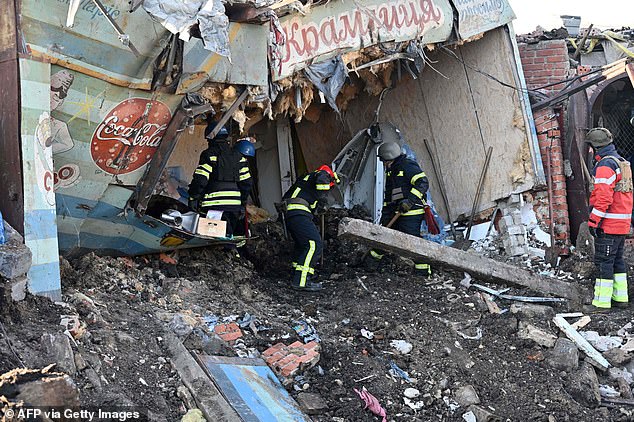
{"x": 128, "y": 136}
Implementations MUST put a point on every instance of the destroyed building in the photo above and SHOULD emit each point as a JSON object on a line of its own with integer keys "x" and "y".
{"x": 576, "y": 83}
{"x": 112, "y": 142}
{"x": 103, "y": 112}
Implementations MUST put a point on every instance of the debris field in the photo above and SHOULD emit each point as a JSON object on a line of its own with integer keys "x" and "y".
{"x": 425, "y": 348}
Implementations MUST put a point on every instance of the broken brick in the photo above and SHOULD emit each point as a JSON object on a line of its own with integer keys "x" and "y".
{"x": 228, "y": 332}
{"x": 287, "y": 361}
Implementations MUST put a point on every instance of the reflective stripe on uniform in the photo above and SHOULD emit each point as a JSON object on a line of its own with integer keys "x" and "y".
{"x": 610, "y": 215}
{"x": 322, "y": 186}
{"x": 244, "y": 170}
{"x": 423, "y": 267}
{"x": 298, "y": 207}
{"x": 417, "y": 211}
{"x": 417, "y": 193}
{"x": 416, "y": 177}
{"x": 603, "y": 293}
{"x": 221, "y": 202}
{"x": 374, "y": 254}
{"x": 605, "y": 181}
{"x": 222, "y": 193}
{"x": 306, "y": 268}
{"x": 400, "y": 173}
{"x": 207, "y": 167}
{"x": 296, "y": 192}
{"x": 202, "y": 173}
{"x": 243, "y": 159}
{"x": 245, "y": 177}
{"x": 619, "y": 292}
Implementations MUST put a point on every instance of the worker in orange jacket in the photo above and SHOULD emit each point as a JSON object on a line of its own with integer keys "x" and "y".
{"x": 610, "y": 219}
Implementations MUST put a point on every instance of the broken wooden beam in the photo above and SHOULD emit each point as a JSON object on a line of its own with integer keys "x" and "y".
{"x": 478, "y": 266}
{"x": 596, "y": 358}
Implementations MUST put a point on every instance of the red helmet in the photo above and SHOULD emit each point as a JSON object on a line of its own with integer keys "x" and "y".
{"x": 333, "y": 176}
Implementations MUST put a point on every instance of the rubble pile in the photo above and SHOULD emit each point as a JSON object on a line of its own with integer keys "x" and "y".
{"x": 410, "y": 348}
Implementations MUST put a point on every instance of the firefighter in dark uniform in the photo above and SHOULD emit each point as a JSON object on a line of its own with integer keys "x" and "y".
{"x": 222, "y": 179}
{"x": 405, "y": 188}
{"x": 609, "y": 221}
{"x": 307, "y": 197}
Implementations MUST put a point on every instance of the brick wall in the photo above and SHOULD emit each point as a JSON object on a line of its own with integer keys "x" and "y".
{"x": 546, "y": 63}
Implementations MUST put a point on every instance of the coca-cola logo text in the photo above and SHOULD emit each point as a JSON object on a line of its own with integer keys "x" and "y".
{"x": 129, "y": 135}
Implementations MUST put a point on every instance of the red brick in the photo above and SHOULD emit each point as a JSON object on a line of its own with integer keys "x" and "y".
{"x": 296, "y": 344}
{"x": 556, "y": 59}
{"x": 313, "y": 345}
{"x": 309, "y": 359}
{"x": 531, "y": 67}
{"x": 272, "y": 359}
{"x": 273, "y": 349}
{"x": 285, "y": 361}
{"x": 554, "y": 52}
{"x": 228, "y": 332}
{"x": 290, "y": 370}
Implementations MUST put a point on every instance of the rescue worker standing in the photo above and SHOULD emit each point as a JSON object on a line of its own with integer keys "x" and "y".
{"x": 245, "y": 184}
{"x": 307, "y": 197}
{"x": 609, "y": 220}
{"x": 405, "y": 188}
{"x": 221, "y": 180}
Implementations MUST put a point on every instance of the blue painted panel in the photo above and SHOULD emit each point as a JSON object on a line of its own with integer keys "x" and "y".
{"x": 253, "y": 390}
{"x": 40, "y": 224}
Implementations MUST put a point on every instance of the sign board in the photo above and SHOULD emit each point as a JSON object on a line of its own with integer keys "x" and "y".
{"x": 342, "y": 26}
{"x": 478, "y": 16}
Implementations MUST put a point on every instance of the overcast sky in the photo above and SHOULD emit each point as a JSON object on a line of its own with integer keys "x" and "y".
{"x": 602, "y": 13}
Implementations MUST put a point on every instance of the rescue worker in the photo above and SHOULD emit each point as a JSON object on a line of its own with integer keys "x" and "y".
{"x": 221, "y": 180}
{"x": 307, "y": 197}
{"x": 609, "y": 220}
{"x": 405, "y": 188}
{"x": 247, "y": 150}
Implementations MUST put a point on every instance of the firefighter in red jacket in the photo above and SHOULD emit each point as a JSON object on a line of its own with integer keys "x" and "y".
{"x": 610, "y": 219}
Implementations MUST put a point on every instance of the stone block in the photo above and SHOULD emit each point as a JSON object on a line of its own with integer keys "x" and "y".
{"x": 533, "y": 311}
{"x": 312, "y": 404}
{"x": 530, "y": 332}
{"x": 57, "y": 350}
{"x": 18, "y": 288}
{"x": 466, "y": 396}
{"x": 15, "y": 260}
{"x": 564, "y": 356}
{"x": 517, "y": 230}
{"x": 583, "y": 386}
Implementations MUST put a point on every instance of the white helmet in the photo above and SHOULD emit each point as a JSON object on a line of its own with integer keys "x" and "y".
{"x": 389, "y": 151}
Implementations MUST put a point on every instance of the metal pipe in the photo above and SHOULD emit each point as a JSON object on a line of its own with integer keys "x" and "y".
{"x": 476, "y": 200}
{"x": 441, "y": 186}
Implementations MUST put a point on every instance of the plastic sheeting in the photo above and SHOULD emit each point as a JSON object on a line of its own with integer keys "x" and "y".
{"x": 329, "y": 77}
{"x": 178, "y": 16}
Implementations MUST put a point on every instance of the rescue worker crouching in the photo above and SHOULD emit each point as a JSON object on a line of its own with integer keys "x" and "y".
{"x": 222, "y": 179}
{"x": 609, "y": 220}
{"x": 307, "y": 197}
{"x": 405, "y": 188}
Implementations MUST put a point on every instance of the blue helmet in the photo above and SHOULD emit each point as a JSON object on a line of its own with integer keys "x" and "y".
{"x": 223, "y": 133}
{"x": 245, "y": 147}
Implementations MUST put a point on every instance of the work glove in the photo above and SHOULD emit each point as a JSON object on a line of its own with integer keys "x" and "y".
{"x": 322, "y": 207}
{"x": 194, "y": 204}
{"x": 405, "y": 205}
{"x": 595, "y": 232}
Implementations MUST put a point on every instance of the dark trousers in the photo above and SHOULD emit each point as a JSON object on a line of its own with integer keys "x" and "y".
{"x": 308, "y": 246}
{"x": 409, "y": 224}
{"x": 608, "y": 255}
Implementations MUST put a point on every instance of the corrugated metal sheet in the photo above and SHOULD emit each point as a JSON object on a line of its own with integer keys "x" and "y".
{"x": 478, "y": 16}
{"x": 248, "y": 65}
{"x": 341, "y": 26}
